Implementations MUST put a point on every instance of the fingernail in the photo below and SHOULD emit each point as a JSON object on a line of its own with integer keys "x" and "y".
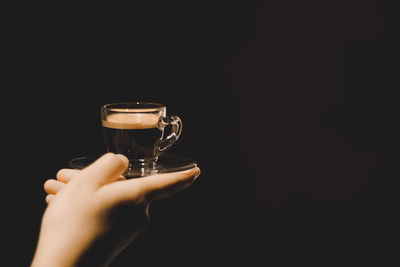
{"x": 124, "y": 159}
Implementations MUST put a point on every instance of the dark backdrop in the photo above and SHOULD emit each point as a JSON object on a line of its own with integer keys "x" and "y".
{"x": 288, "y": 106}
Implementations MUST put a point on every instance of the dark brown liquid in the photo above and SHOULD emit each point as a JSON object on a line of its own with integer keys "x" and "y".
{"x": 136, "y": 135}
{"x": 135, "y": 144}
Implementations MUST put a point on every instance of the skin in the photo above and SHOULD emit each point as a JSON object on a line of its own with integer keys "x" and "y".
{"x": 93, "y": 214}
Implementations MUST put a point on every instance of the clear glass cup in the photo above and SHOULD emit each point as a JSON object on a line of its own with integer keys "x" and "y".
{"x": 138, "y": 130}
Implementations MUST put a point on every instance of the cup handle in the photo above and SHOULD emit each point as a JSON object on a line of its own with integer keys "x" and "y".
{"x": 176, "y": 129}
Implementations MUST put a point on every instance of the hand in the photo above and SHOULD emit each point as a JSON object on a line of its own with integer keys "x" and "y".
{"x": 95, "y": 213}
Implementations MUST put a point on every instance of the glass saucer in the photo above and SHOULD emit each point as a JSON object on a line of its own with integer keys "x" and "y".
{"x": 164, "y": 164}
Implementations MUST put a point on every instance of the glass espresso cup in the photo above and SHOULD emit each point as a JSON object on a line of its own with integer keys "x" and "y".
{"x": 138, "y": 131}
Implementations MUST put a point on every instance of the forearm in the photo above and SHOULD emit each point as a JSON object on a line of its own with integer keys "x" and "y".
{"x": 50, "y": 254}
{"x": 63, "y": 249}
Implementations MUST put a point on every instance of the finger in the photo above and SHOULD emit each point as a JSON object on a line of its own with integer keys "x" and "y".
{"x": 107, "y": 168}
{"x": 52, "y": 186}
{"x": 120, "y": 178}
{"x": 65, "y": 175}
{"x": 157, "y": 186}
{"x": 49, "y": 198}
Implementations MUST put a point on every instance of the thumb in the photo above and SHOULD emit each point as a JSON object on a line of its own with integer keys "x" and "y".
{"x": 156, "y": 186}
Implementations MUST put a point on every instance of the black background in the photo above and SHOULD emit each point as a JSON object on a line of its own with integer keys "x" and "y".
{"x": 288, "y": 106}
